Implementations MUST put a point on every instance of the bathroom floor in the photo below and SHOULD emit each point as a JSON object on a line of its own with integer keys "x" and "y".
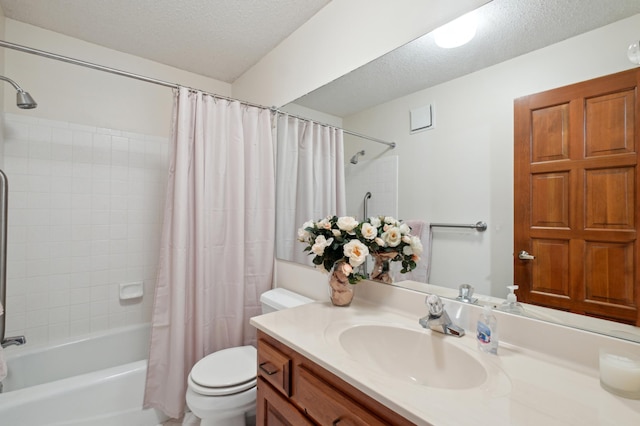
{"x": 189, "y": 420}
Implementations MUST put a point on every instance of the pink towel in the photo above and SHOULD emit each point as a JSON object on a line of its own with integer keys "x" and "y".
{"x": 422, "y": 230}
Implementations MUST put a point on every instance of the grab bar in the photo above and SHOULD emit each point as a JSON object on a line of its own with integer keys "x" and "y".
{"x": 365, "y": 212}
{"x": 478, "y": 226}
{"x": 4, "y": 196}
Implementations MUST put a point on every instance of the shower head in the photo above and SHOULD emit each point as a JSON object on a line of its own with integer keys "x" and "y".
{"x": 354, "y": 159}
{"x": 23, "y": 99}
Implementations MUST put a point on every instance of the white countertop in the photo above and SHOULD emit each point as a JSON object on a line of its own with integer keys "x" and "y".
{"x": 523, "y": 387}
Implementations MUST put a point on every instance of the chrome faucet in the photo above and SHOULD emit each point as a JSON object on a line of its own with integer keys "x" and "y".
{"x": 438, "y": 319}
{"x": 15, "y": 340}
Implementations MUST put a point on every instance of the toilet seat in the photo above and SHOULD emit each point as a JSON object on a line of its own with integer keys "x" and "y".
{"x": 225, "y": 372}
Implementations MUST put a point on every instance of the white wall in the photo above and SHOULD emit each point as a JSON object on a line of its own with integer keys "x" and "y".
{"x": 87, "y": 175}
{"x": 76, "y": 94}
{"x": 462, "y": 171}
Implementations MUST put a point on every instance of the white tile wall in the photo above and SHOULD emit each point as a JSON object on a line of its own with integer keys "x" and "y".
{"x": 85, "y": 212}
{"x": 378, "y": 176}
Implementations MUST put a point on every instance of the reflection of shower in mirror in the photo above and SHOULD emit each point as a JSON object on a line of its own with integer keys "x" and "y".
{"x": 354, "y": 159}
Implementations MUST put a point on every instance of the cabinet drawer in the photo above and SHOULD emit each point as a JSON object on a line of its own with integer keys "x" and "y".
{"x": 327, "y": 406}
{"x": 273, "y": 409}
{"x": 274, "y": 367}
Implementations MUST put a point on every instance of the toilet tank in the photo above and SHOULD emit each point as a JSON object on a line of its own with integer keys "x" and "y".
{"x": 281, "y": 298}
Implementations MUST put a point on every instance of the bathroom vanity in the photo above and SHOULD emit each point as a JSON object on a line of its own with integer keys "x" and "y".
{"x": 373, "y": 364}
{"x": 293, "y": 390}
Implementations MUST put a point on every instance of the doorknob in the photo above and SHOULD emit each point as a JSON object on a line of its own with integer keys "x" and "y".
{"x": 523, "y": 255}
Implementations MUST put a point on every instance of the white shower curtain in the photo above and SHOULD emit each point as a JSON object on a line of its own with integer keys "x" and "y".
{"x": 217, "y": 248}
{"x": 310, "y": 180}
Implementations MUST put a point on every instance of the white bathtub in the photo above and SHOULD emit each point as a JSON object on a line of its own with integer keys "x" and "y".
{"x": 97, "y": 380}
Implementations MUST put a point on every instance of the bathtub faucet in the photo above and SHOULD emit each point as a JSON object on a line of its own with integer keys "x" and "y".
{"x": 15, "y": 340}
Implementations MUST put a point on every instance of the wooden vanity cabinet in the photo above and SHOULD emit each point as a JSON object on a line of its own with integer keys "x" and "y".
{"x": 292, "y": 390}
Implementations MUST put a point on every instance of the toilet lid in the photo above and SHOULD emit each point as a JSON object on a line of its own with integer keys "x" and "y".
{"x": 225, "y": 372}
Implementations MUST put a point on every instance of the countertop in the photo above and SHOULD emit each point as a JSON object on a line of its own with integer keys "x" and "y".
{"x": 523, "y": 387}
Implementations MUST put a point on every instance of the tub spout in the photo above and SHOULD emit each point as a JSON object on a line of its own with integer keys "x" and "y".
{"x": 15, "y": 340}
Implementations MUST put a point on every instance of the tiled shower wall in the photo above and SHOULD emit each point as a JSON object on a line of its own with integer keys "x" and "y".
{"x": 85, "y": 213}
{"x": 378, "y": 176}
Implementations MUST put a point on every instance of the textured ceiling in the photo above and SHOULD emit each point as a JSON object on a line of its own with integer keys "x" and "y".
{"x": 506, "y": 29}
{"x": 224, "y": 38}
{"x": 220, "y": 39}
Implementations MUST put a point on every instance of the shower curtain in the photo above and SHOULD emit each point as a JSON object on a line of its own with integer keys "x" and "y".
{"x": 217, "y": 248}
{"x": 309, "y": 179}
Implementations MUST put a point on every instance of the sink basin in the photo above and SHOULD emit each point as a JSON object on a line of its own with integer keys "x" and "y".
{"x": 427, "y": 359}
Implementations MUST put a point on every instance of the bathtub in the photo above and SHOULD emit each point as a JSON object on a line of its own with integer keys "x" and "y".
{"x": 95, "y": 380}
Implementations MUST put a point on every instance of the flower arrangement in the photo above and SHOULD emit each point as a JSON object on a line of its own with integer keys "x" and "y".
{"x": 344, "y": 239}
{"x": 335, "y": 239}
{"x": 391, "y": 239}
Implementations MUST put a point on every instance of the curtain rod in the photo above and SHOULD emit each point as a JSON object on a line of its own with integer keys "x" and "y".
{"x": 360, "y": 135}
{"x": 116, "y": 71}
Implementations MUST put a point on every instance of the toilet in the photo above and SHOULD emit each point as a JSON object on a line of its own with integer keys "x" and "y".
{"x": 221, "y": 388}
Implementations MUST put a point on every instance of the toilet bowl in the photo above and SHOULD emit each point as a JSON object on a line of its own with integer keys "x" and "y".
{"x": 221, "y": 387}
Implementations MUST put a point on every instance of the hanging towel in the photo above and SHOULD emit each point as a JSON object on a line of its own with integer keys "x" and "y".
{"x": 3, "y": 364}
{"x": 421, "y": 273}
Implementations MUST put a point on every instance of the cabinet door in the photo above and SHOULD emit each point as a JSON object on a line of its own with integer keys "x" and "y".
{"x": 274, "y": 410}
{"x": 329, "y": 407}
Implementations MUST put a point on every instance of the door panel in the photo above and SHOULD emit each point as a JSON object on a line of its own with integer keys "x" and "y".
{"x": 610, "y": 198}
{"x": 550, "y": 138}
{"x": 550, "y": 199}
{"x": 576, "y": 204}
{"x": 607, "y": 125}
{"x": 550, "y": 276}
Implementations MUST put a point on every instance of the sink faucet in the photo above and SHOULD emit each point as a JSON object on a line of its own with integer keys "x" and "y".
{"x": 438, "y": 319}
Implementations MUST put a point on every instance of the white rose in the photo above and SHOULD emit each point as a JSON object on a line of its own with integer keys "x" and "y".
{"x": 356, "y": 252}
{"x": 324, "y": 224}
{"x": 336, "y": 232}
{"x": 404, "y": 229}
{"x": 416, "y": 246}
{"x": 375, "y": 221}
{"x": 406, "y": 239}
{"x": 407, "y": 250}
{"x": 303, "y": 234}
{"x": 392, "y": 236}
{"x": 347, "y": 223}
{"x": 320, "y": 245}
{"x": 369, "y": 231}
{"x": 380, "y": 242}
{"x": 390, "y": 220}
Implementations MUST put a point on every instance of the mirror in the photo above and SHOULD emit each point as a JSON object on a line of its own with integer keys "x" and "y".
{"x": 461, "y": 170}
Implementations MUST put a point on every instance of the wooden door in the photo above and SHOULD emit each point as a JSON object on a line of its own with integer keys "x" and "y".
{"x": 576, "y": 197}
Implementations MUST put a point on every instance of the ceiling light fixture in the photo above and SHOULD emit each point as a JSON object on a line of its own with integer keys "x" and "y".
{"x": 633, "y": 53}
{"x": 457, "y": 32}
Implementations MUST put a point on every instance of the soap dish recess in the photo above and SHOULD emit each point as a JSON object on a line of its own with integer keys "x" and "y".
{"x": 131, "y": 290}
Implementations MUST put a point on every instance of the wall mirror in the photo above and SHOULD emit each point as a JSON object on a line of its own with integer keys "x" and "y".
{"x": 461, "y": 170}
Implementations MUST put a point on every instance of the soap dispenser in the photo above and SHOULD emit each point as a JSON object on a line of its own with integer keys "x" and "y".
{"x": 487, "y": 331}
{"x": 512, "y": 305}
